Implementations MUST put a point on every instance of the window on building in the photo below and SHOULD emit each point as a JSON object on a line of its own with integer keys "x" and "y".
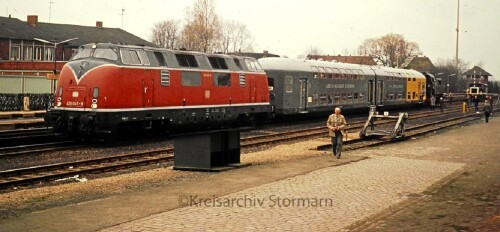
{"x": 49, "y": 53}
{"x": 38, "y": 53}
{"x": 336, "y": 73}
{"x": 361, "y": 75}
{"x": 222, "y": 79}
{"x": 315, "y": 71}
{"x": 343, "y": 73}
{"x": 28, "y": 53}
{"x": 190, "y": 79}
{"x": 217, "y": 62}
{"x": 329, "y": 73}
{"x": 186, "y": 60}
{"x": 15, "y": 53}
{"x": 322, "y": 73}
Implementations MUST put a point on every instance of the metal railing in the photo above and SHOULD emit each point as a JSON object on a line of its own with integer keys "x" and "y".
{"x": 15, "y": 102}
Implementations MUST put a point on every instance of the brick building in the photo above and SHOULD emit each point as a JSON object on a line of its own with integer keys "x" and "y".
{"x": 25, "y": 62}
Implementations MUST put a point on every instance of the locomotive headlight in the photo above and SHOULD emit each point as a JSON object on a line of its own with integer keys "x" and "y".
{"x": 93, "y": 106}
{"x": 58, "y": 104}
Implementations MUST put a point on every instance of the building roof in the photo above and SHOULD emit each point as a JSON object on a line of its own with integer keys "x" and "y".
{"x": 422, "y": 64}
{"x": 13, "y": 28}
{"x": 367, "y": 60}
{"x": 476, "y": 71}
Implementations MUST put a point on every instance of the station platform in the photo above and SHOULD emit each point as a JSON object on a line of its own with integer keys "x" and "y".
{"x": 10, "y": 120}
{"x": 315, "y": 193}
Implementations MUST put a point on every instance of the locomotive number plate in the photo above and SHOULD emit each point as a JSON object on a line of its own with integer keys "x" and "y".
{"x": 75, "y": 94}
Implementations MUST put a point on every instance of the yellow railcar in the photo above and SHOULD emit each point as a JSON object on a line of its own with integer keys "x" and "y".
{"x": 415, "y": 87}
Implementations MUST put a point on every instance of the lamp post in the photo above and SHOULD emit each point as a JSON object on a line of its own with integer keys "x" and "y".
{"x": 55, "y": 60}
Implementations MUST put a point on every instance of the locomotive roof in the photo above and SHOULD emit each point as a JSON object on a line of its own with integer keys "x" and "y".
{"x": 164, "y": 49}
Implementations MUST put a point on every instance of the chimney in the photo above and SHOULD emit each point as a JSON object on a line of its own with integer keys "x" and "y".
{"x": 98, "y": 24}
{"x": 33, "y": 20}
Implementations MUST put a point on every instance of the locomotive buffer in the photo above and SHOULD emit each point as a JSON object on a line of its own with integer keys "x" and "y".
{"x": 369, "y": 127}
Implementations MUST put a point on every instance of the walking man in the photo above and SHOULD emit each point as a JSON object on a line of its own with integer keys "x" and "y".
{"x": 476, "y": 104}
{"x": 336, "y": 124}
{"x": 441, "y": 103}
{"x": 487, "y": 110}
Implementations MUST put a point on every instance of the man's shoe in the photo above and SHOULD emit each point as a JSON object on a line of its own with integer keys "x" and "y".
{"x": 338, "y": 156}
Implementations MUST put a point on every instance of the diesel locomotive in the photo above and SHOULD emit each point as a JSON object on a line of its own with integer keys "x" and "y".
{"x": 106, "y": 87}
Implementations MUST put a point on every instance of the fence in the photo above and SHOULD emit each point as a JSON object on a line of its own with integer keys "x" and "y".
{"x": 15, "y": 102}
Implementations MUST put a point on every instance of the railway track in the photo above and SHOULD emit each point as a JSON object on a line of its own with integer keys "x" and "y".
{"x": 34, "y": 175}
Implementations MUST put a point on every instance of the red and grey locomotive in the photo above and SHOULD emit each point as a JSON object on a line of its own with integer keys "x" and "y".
{"x": 105, "y": 87}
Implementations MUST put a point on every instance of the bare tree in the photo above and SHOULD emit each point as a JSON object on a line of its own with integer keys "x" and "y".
{"x": 234, "y": 37}
{"x": 447, "y": 71}
{"x": 201, "y": 30}
{"x": 313, "y": 52}
{"x": 389, "y": 50}
{"x": 165, "y": 34}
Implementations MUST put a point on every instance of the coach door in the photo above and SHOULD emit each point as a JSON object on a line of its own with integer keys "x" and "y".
{"x": 303, "y": 95}
{"x": 380, "y": 92}
{"x": 147, "y": 92}
{"x": 371, "y": 87}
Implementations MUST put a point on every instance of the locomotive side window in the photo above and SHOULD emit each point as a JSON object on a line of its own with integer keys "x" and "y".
{"x": 222, "y": 79}
{"x": 143, "y": 57}
{"x": 161, "y": 60}
{"x": 186, "y": 60}
{"x": 288, "y": 84}
{"x": 165, "y": 78}
{"x": 190, "y": 79}
{"x": 130, "y": 57}
{"x": 217, "y": 62}
{"x": 238, "y": 63}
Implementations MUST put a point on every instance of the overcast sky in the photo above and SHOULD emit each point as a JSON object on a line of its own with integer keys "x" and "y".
{"x": 290, "y": 27}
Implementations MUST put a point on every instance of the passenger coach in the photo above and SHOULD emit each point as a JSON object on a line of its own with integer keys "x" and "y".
{"x": 310, "y": 86}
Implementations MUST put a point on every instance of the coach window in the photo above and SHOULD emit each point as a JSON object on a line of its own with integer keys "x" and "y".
{"x": 329, "y": 73}
{"x": 315, "y": 71}
{"x": 190, "y": 79}
{"x": 330, "y": 99}
{"x": 356, "y": 96}
{"x": 336, "y": 73}
{"x": 161, "y": 60}
{"x": 337, "y": 98}
{"x": 322, "y": 73}
{"x": 315, "y": 99}
{"x": 344, "y": 98}
{"x": 217, "y": 62}
{"x": 186, "y": 60}
{"x": 322, "y": 99}
{"x": 361, "y": 74}
{"x": 343, "y": 74}
{"x": 222, "y": 79}
{"x": 288, "y": 84}
{"x": 361, "y": 97}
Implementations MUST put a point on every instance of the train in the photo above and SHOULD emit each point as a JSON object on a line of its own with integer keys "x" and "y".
{"x": 106, "y": 88}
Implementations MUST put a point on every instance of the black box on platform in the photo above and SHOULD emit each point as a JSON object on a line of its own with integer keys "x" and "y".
{"x": 208, "y": 151}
